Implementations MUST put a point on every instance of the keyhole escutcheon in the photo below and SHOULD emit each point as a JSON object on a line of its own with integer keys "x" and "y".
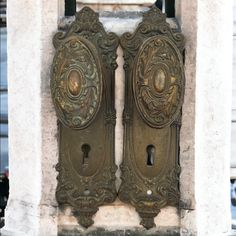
{"x": 150, "y": 155}
{"x": 85, "y": 149}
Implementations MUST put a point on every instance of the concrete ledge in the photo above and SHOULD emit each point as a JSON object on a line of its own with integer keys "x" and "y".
{"x": 67, "y": 231}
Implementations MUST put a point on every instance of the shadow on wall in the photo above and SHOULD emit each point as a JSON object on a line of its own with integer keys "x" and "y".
{"x": 4, "y": 193}
{"x": 4, "y": 181}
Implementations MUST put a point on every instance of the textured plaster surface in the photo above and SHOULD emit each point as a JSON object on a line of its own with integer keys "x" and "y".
{"x": 24, "y": 117}
{"x": 213, "y": 117}
{"x": 233, "y": 139}
{"x": 32, "y": 123}
{"x": 187, "y": 17}
{"x": 49, "y": 148}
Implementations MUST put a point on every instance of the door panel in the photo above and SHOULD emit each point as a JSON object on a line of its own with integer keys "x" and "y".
{"x": 154, "y": 92}
{"x": 82, "y": 87}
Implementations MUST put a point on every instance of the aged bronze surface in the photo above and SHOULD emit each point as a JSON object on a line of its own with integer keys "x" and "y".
{"x": 154, "y": 91}
{"x": 82, "y": 87}
{"x": 77, "y": 85}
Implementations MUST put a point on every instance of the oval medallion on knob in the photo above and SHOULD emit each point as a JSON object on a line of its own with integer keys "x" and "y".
{"x": 158, "y": 81}
{"x": 76, "y": 82}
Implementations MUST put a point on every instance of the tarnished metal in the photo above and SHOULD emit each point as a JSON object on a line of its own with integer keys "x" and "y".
{"x": 82, "y": 87}
{"x": 77, "y": 84}
{"x": 154, "y": 92}
{"x": 157, "y": 81}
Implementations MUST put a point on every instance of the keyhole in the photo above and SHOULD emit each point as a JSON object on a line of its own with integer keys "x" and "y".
{"x": 85, "y": 149}
{"x": 150, "y": 155}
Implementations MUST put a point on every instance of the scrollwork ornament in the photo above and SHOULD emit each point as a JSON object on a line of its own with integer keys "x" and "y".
{"x": 154, "y": 86}
{"x": 82, "y": 87}
{"x": 158, "y": 83}
{"x": 76, "y": 83}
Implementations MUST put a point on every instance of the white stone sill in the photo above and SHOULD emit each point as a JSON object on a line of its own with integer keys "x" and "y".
{"x": 119, "y": 22}
{"x": 123, "y": 2}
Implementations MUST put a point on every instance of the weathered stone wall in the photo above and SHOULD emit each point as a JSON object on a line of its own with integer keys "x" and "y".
{"x": 186, "y": 13}
{"x": 205, "y": 133}
{"x": 213, "y": 116}
{"x": 233, "y": 146}
{"x": 32, "y": 123}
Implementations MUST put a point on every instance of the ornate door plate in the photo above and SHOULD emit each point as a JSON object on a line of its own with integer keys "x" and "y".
{"x": 82, "y": 87}
{"x": 154, "y": 92}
